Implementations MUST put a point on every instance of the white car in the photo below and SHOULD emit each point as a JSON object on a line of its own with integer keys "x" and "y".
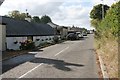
{"x": 80, "y": 35}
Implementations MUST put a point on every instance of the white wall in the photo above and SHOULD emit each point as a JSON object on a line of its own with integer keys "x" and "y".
{"x": 2, "y": 37}
{"x": 37, "y": 43}
{"x": 64, "y": 32}
{"x": 10, "y": 42}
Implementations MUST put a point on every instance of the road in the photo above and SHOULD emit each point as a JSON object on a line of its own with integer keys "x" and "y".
{"x": 71, "y": 59}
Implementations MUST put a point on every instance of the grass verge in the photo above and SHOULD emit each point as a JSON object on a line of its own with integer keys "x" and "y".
{"x": 108, "y": 50}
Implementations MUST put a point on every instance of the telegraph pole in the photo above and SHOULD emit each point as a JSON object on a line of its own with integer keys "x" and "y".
{"x": 103, "y": 11}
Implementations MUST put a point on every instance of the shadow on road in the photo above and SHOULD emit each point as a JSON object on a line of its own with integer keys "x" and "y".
{"x": 14, "y": 62}
{"x": 59, "y": 64}
{"x": 30, "y": 57}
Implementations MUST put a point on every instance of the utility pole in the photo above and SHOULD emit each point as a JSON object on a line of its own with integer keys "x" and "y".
{"x": 103, "y": 11}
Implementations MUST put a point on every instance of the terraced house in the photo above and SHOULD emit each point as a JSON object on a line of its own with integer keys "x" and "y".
{"x": 13, "y": 31}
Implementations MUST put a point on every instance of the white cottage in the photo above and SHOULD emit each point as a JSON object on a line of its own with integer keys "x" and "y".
{"x": 20, "y": 30}
{"x": 2, "y": 36}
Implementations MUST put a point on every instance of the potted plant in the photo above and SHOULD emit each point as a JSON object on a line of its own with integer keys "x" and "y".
{"x": 15, "y": 42}
{"x": 37, "y": 39}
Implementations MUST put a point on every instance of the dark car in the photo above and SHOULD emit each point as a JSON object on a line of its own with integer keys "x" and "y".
{"x": 72, "y": 36}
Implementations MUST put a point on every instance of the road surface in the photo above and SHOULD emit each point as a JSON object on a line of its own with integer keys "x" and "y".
{"x": 71, "y": 59}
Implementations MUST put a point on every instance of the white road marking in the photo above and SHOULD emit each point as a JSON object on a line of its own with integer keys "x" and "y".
{"x": 40, "y": 64}
{"x": 62, "y": 51}
{"x": 34, "y": 52}
{"x": 29, "y": 71}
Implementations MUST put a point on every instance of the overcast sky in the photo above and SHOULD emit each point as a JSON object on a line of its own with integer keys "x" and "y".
{"x": 62, "y": 12}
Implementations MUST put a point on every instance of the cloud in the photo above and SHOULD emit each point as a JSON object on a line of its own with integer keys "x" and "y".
{"x": 62, "y": 12}
{"x": 73, "y": 14}
{"x": 108, "y": 2}
{"x": 46, "y": 9}
{"x": 34, "y": 7}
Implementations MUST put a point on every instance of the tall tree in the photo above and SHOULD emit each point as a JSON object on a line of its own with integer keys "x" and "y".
{"x": 111, "y": 22}
{"x": 22, "y": 16}
{"x": 45, "y": 19}
{"x": 14, "y": 14}
{"x": 36, "y": 19}
{"x": 96, "y": 12}
{"x": 96, "y": 16}
{"x": 18, "y": 15}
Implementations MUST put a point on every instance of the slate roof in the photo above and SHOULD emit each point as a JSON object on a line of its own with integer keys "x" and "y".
{"x": 24, "y": 28}
{"x": 55, "y": 25}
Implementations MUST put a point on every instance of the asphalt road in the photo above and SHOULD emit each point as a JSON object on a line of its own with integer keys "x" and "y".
{"x": 71, "y": 59}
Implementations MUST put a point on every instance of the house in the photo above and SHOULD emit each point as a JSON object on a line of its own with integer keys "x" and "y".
{"x": 75, "y": 29}
{"x": 16, "y": 31}
{"x": 2, "y": 36}
{"x": 62, "y": 31}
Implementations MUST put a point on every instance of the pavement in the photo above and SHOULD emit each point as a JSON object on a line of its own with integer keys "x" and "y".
{"x": 70, "y": 59}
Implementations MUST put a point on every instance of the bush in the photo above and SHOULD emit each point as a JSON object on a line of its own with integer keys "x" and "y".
{"x": 56, "y": 39}
{"x": 27, "y": 45}
{"x": 45, "y": 44}
{"x": 110, "y": 24}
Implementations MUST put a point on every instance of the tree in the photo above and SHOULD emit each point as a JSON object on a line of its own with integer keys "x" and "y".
{"x": 96, "y": 16}
{"x": 14, "y": 14}
{"x": 45, "y": 19}
{"x": 17, "y": 15}
{"x": 73, "y": 26}
{"x": 96, "y": 12}
{"x": 22, "y": 16}
{"x": 36, "y": 19}
{"x": 84, "y": 29}
{"x": 111, "y": 23}
{"x": 95, "y": 23}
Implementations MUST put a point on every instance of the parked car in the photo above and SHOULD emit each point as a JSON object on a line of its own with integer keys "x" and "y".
{"x": 88, "y": 32}
{"x": 91, "y": 31}
{"x": 72, "y": 36}
{"x": 80, "y": 35}
{"x": 84, "y": 33}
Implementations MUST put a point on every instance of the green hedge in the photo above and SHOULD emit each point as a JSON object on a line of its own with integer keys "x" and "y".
{"x": 111, "y": 22}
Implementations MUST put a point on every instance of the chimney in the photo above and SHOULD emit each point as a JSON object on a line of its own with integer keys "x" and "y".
{"x": 27, "y": 17}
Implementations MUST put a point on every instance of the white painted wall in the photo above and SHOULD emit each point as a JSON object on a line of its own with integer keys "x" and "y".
{"x": 2, "y": 37}
{"x": 10, "y": 42}
{"x": 37, "y": 43}
{"x": 63, "y": 32}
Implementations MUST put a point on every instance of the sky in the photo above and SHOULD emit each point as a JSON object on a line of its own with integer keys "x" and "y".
{"x": 62, "y": 12}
